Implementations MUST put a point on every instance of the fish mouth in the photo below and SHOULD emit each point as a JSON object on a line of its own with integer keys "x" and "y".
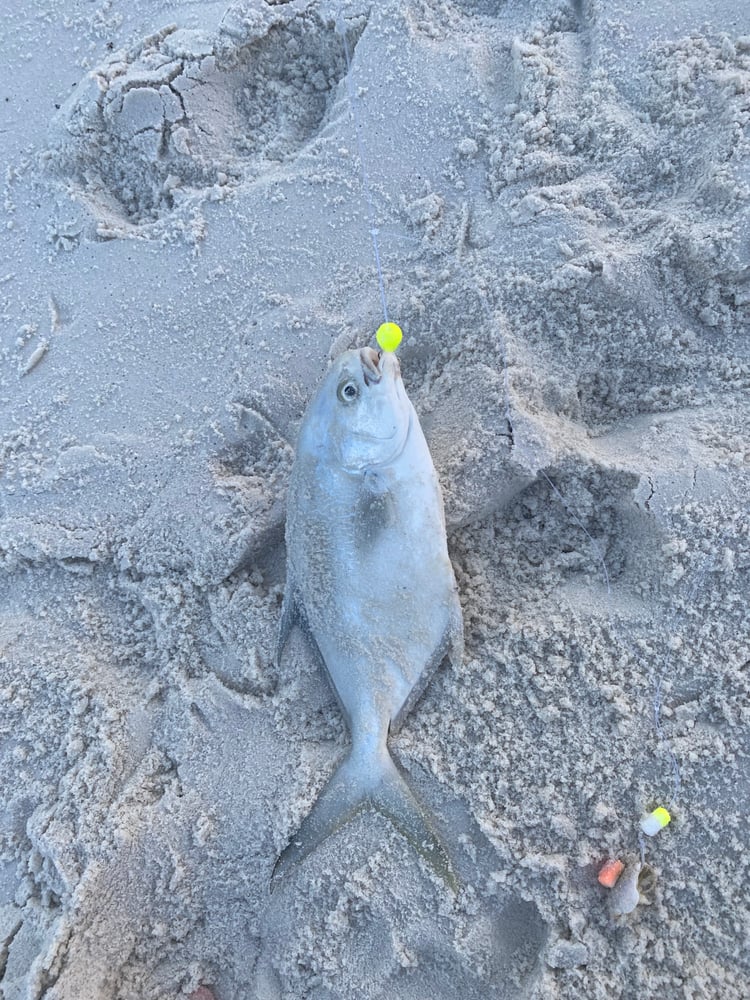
{"x": 380, "y": 437}
{"x": 374, "y": 367}
{"x": 376, "y": 364}
{"x": 370, "y": 359}
{"x": 377, "y": 431}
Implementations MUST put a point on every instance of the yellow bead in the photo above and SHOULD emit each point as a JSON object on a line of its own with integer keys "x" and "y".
{"x": 661, "y": 816}
{"x": 389, "y": 336}
{"x": 655, "y": 821}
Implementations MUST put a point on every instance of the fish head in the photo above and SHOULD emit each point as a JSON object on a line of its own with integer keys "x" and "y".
{"x": 361, "y": 414}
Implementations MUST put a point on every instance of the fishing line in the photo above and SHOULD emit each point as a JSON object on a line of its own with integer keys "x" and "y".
{"x": 354, "y": 109}
{"x": 656, "y": 679}
{"x": 598, "y": 552}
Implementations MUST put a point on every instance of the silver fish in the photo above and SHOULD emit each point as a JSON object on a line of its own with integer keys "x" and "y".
{"x": 370, "y": 582}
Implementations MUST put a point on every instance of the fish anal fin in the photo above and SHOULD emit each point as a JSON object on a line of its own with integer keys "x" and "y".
{"x": 454, "y": 648}
{"x": 450, "y": 647}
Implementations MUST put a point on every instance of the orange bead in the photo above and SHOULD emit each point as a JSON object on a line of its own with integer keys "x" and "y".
{"x": 609, "y": 872}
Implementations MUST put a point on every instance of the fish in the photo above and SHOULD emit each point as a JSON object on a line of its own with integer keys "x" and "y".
{"x": 371, "y": 585}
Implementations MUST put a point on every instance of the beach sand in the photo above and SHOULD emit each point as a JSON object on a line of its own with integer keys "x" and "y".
{"x": 561, "y": 192}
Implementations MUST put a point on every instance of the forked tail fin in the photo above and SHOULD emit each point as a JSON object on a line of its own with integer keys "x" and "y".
{"x": 358, "y": 784}
{"x": 393, "y": 798}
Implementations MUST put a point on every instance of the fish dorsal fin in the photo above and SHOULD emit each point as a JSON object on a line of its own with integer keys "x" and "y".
{"x": 291, "y": 615}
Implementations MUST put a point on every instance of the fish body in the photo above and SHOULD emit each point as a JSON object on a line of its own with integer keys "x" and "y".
{"x": 370, "y": 581}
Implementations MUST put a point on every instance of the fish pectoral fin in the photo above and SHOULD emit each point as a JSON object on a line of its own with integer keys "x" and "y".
{"x": 339, "y": 802}
{"x": 393, "y": 798}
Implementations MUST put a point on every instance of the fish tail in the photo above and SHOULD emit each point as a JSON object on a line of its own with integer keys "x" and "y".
{"x": 393, "y": 798}
{"x": 338, "y": 803}
{"x": 357, "y": 785}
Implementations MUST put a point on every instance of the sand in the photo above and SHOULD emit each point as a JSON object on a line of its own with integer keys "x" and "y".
{"x": 562, "y": 197}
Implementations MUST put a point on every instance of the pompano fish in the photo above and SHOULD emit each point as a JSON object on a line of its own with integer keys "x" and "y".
{"x": 370, "y": 582}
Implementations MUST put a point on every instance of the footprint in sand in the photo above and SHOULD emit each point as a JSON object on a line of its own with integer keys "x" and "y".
{"x": 185, "y": 116}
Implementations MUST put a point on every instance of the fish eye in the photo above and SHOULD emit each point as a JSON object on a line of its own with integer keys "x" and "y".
{"x": 348, "y": 391}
